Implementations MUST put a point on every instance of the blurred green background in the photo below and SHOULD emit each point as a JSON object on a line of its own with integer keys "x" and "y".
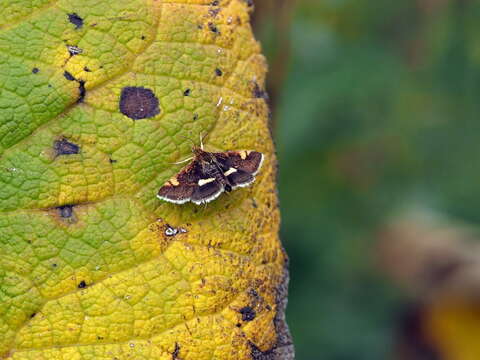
{"x": 375, "y": 108}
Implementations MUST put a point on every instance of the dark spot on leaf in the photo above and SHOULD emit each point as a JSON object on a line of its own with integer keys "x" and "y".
{"x": 75, "y": 20}
{"x": 112, "y": 161}
{"x": 81, "y": 91}
{"x": 238, "y": 325}
{"x": 49, "y": 85}
{"x": 35, "y": 70}
{"x": 138, "y": 103}
{"x": 65, "y": 147}
{"x": 176, "y": 351}
{"x": 65, "y": 211}
{"x": 68, "y": 76}
{"x": 187, "y": 92}
{"x": 33, "y": 315}
{"x": 248, "y": 314}
{"x": 82, "y": 284}
{"x": 218, "y": 72}
{"x": 54, "y": 265}
{"x": 143, "y": 37}
{"x": 259, "y": 93}
{"x": 249, "y": 3}
{"x": 213, "y": 28}
{"x": 199, "y": 26}
{"x": 214, "y": 12}
{"x": 87, "y": 69}
{"x": 99, "y": 337}
{"x": 215, "y": 3}
{"x": 195, "y": 116}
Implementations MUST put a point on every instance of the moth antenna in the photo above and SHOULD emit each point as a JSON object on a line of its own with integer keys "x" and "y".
{"x": 193, "y": 144}
{"x": 202, "y": 137}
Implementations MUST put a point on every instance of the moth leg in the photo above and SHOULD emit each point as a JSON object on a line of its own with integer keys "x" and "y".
{"x": 183, "y": 161}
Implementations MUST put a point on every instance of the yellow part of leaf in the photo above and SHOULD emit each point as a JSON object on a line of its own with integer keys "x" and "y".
{"x": 92, "y": 264}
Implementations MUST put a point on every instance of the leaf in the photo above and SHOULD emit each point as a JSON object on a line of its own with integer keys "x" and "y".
{"x": 92, "y": 264}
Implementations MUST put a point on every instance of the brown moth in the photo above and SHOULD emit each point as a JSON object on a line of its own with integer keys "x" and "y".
{"x": 209, "y": 174}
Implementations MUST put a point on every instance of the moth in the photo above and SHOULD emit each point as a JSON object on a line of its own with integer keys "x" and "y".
{"x": 209, "y": 174}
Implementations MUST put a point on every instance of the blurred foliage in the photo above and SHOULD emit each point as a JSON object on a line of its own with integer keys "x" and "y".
{"x": 379, "y": 110}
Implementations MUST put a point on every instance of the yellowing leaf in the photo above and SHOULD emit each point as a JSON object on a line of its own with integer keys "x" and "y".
{"x": 92, "y": 264}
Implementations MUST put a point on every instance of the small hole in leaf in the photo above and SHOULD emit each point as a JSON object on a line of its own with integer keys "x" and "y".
{"x": 35, "y": 70}
{"x": 82, "y": 284}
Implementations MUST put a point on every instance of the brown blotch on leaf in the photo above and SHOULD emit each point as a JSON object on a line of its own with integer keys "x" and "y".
{"x": 138, "y": 103}
{"x": 65, "y": 147}
{"x": 33, "y": 315}
{"x": 82, "y": 284}
{"x": 248, "y": 314}
{"x": 283, "y": 348}
{"x": 35, "y": 70}
{"x": 75, "y": 20}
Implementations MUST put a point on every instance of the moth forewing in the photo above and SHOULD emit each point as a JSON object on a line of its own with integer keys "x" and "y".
{"x": 210, "y": 174}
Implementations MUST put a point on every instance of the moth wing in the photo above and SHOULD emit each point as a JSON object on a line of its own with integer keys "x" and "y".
{"x": 207, "y": 192}
{"x": 179, "y": 189}
{"x": 245, "y": 160}
{"x": 240, "y": 178}
{"x": 177, "y": 194}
